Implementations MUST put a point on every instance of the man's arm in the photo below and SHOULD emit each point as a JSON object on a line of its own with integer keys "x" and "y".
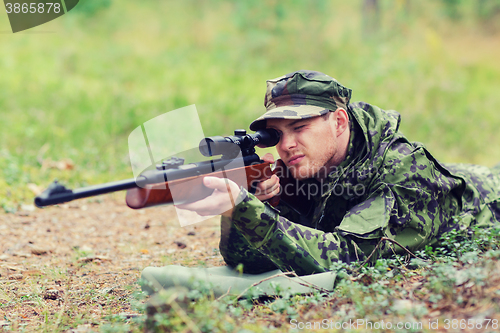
{"x": 292, "y": 246}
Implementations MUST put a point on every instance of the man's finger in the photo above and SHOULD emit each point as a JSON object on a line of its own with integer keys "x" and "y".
{"x": 269, "y": 158}
{"x": 223, "y": 185}
{"x": 268, "y": 188}
{"x": 218, "y": 202}
{"x": 216, "y": 183}
{"x": 268, "y": 185}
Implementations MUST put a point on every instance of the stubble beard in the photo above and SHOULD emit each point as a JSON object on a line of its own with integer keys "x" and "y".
{"x": 318, "y": 169}
{"x": 310, "y": 170}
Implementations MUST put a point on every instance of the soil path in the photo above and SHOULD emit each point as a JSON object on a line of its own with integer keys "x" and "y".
{"x": 84, "y": 258}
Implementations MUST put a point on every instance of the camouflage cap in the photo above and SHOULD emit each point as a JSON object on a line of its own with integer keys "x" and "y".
{"x": 302, "y": 94}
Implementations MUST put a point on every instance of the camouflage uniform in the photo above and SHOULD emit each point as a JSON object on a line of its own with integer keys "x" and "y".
{"x": 386, "y": 187}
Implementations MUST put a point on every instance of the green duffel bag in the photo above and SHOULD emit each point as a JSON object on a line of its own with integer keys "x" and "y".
{"x": 224, "y": 280}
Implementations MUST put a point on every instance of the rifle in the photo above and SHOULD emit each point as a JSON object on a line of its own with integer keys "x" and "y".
{"x": 153, "y": 187}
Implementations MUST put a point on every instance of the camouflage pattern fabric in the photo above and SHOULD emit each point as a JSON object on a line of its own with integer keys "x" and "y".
{"x": 386, "y": 187}
{"x": 302, "y": 94}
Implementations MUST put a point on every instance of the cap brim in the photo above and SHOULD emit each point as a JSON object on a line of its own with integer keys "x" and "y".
{"x": 288, "y": 112}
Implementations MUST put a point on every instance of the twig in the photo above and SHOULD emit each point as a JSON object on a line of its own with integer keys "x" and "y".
{"x": 263, "y": 280}
{"x": 308, "y": 284}
{"x": 378, "y": 244}
{"x": 371, "y": 254}
{"x": 356, "y": 252}
{"x": 402, "y": 264}
{"x": 401, "y": 246}
{"x": 222, "y": 296}
{"x": 286, "y": 275}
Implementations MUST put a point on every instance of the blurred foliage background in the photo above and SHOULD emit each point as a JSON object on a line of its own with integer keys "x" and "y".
{"x": 72, "y": 90}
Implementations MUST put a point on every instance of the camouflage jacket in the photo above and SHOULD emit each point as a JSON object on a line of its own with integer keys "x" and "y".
{"x": 386, "y": 187}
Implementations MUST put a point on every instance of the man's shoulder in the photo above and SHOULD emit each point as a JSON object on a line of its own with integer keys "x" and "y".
{"x": 369, "y": 110}
{"x": 361, "y": 105}
{"x": 377, "y": 124}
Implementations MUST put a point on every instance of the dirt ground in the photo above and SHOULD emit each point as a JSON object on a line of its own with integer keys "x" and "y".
{"x": 70, "y": 268}
{"x": 82, "y": 260}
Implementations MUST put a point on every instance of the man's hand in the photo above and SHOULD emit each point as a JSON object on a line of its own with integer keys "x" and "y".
{"x": 270, "y": 187}
{"x": 221, "y": 201}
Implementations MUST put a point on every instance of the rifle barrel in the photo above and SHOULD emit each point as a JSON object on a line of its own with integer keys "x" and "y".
{"x": 57, "y": 193}
{"x": 104, "y": 188}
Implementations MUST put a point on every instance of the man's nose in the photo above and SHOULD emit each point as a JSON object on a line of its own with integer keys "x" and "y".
{"x": 287, "y": 142}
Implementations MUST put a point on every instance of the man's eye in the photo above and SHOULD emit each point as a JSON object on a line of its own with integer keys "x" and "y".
{"x": 299, "y": 127}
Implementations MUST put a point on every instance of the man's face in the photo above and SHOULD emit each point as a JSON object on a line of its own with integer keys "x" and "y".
{"x": 308, "y": 147}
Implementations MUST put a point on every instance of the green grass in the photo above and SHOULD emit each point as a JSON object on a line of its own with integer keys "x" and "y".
{"x": 77, "y": 86}
{"x": 77, "y": 90}
{"x": 447, "y": 285}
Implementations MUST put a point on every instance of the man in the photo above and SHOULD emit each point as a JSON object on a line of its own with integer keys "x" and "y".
{"x": 365, "y": 181}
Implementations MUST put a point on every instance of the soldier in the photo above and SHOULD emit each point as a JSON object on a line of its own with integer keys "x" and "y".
{"x": 365, "y": 181}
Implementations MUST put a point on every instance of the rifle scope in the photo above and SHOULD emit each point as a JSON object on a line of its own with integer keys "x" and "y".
{"x": 230, "y": 146}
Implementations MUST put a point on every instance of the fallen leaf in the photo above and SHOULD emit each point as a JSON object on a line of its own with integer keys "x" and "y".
{"x": 33, "y": 272}
{"x": 35, "y": 188}
{"x": 12, "y": 268}
{"x": 107, "y": 290}
{"x": 435, "y": 313}
{"x": 38, "y": 251}
{"x": 93, "y": 258}
{"x": 52, "y": 294}
{"x": 181, "y": 245}
{"x": 64, "y": 164}
{"x": 28, "y": 208}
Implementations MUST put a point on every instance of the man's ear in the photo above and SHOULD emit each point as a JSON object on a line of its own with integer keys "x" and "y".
{"x": 342, "y": 120}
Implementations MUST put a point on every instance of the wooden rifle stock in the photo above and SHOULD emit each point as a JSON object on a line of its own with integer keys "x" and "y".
{"x": 191, "y": 189}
